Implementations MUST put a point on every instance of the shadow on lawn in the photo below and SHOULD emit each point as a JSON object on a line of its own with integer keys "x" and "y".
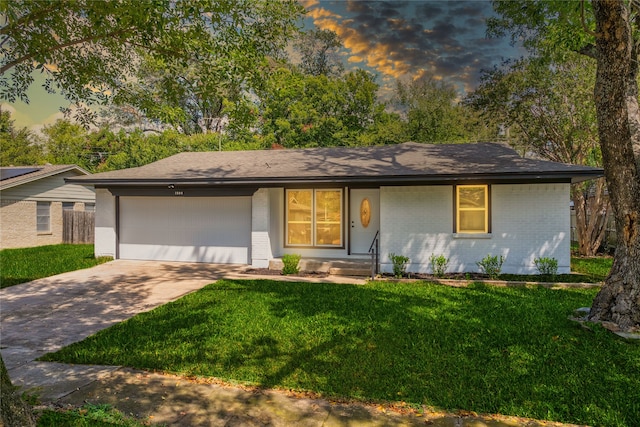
{"x": 484, "y": 349}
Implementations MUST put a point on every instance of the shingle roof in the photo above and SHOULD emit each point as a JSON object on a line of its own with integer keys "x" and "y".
{"x": 39, "y": 172}
{"x": 408, "y": 162}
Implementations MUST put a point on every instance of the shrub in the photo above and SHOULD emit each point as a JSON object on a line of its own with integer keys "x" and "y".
{"x": 439, "y": 264}
{"x": 547, "y": 266}
{"x": 290, "y": 262}
{"x": 399, "y": 264}
{"x": 491, "y": 265}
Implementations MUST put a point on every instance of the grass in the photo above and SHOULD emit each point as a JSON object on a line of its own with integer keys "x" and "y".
{"x": 87, "y": 416}
{"x": 596, "y": 268}
{"x": 584, "y": 269}
{"x": 508, "y": 350}
{"x": 27, "y": 264}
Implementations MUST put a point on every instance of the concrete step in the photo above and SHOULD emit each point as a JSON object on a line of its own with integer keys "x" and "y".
{"x": 355, "y": 267}
{"x": 361, "y": 272}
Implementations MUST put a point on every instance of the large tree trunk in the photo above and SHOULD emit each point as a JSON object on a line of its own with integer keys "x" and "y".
{"x": 14, "y": 412}
{"x": 592, "y": 214}
{"x": 619, "y": 300}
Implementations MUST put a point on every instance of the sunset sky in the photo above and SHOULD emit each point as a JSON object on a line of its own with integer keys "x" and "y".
{"x": 393, "y": 39}
{"x": 405, "y": 39}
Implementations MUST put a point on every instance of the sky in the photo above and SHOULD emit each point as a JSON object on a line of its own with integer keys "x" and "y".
{"x": 393, "y": 39}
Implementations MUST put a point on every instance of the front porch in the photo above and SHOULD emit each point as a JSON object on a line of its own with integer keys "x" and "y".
{"x": 360, "y": 267}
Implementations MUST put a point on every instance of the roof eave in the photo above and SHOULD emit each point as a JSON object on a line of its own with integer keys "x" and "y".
{"x": 517, "y": 177}
{"x": 27, "y": 179}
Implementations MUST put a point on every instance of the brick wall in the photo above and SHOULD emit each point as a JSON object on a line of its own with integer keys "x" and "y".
{"x": 528, "y": 221}
{"x": 18, "y": 225}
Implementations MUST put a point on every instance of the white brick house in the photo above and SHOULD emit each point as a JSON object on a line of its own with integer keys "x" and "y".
{"x": 32, "y": 199}
{"x": 464, "y": 201}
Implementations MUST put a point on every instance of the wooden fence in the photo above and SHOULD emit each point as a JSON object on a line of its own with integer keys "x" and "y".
{"x": 78, "y": 226}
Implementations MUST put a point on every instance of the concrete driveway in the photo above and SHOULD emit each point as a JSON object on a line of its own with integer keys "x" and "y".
{"x": 47, "y": 314}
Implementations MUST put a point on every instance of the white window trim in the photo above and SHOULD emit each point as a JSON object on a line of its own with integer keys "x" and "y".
{"x": 40, "y": 215}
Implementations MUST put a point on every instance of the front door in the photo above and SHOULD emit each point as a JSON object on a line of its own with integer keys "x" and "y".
{"x": 364, "y": 213}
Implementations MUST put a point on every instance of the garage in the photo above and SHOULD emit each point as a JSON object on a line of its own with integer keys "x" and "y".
{"x": 191, "y": 229}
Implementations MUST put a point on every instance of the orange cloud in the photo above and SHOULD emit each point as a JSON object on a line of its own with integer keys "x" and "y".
{"x": 376, "y": 55}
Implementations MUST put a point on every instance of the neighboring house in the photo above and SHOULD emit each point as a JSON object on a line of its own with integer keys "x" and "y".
{"x": 464, "y": 201}
{"x": 32, "y": 199}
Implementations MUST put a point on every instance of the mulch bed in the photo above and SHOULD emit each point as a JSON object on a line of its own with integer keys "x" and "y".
{"x": 451, "y": 276}
{"x": 420, "y": 276}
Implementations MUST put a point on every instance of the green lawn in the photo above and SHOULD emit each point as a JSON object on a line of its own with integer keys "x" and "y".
{"x": 508, "y": 350}
{"x": 595, "y": 267}
{"x": 587, "y": 270}
{"x": 26, "y": 264}
{"x": 87, "y": 416}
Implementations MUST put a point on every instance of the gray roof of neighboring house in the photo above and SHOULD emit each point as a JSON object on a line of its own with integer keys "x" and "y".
{"x": 407, "y": 163}
{"x": 18, "y": 175}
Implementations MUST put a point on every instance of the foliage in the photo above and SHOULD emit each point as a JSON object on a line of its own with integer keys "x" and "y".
{"x": 299, "y": 110}
{"x": 399, "y": 264}
{"x": 545, "y": 28}
{"x": 547, "y": 266}
{"x": 439, "y": 264}
{"x": 491, "y": 265}
{"x": 27, "y": 264}
{"x": 318, "y": 51}
{"x": 290, "y": 263}
{"x": 548, "y": 106}
{"x": 191, "y": 97}
{"x": 103, "y": 150}
{"x": 88, "y": 415}
{"x": 87, "y": 49}
{"x": 482, "y": 348}
{"x": 432, "y": 114}
{"x": 549, "y": 110}
{"x": 608, "y": 31}
{"x": 16, "y": 145}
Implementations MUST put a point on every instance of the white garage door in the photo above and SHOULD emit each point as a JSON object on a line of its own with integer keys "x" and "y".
{"x": 197, "y": 229}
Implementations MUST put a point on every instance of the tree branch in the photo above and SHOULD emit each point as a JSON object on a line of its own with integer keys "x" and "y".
{"x": 29, "y": 56}
{"x": 588, "y": 50}
{"x": 26, "y": 18}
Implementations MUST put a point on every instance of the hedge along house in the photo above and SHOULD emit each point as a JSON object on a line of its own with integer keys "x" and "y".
{"x": 463, "y": 201}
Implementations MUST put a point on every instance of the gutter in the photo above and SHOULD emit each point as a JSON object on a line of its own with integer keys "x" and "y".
{"x": 365, "y": 181}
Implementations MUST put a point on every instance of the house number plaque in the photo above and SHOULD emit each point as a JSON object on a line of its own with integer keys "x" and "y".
{"x": 365, "y": 212}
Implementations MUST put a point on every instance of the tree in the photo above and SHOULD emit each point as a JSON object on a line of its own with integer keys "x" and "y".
{"x": 548, "y": 106}
{"x": 616, "y": 95}
{"x": 300, "y": 110}
{"x": 17, "y": 147}
{"x": 88, "y": 49}
{"x": 432, "y": 113}
{"x": 557, "y": 27}
{"x": 191, "y": 97}
{"x": 318, "y": 51}
{"x": 67, "y": 143}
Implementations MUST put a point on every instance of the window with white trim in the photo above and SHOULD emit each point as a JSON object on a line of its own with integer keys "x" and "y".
{"x": 314, "y": 217}
{"x": 43, "y": 217}
{"x": 472, "y": 209}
